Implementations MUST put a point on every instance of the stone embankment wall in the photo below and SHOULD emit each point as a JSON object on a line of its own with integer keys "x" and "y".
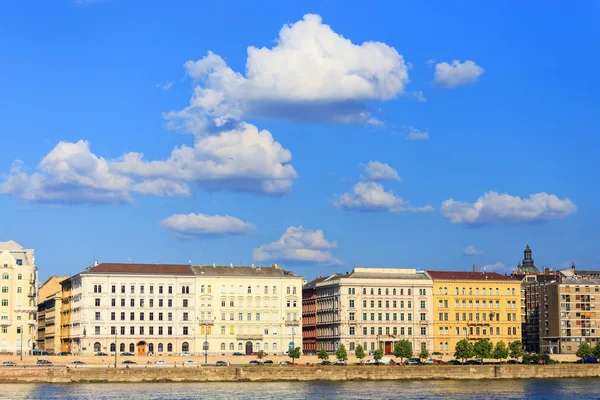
{"x": 276, "y": 373}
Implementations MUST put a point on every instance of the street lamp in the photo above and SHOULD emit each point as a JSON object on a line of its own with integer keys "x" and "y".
{"x": 205, "y": 324}
{"x": 21, "y": 342}
{"x": 116, "y": 347}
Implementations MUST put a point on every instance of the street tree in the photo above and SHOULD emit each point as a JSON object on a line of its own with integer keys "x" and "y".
{"x": 584, "y": 350}
{"x": 500, "y": 351}
{"x": 378, "y": 355}
{"x": 516, "y": 349}
{"x": 294, "y": 354}
{"x": 341, "y": 353}
{"x": 403, "y": 349}
{"x": 260, "y": 354}
{"x": 596, "y": 351}
{"x": 359, "y": 352}
{"x": 483, "y": 348}
{"x": 323, "y": 355}
{"x": 463, "y": 350}
{"x": 424, "y": 354}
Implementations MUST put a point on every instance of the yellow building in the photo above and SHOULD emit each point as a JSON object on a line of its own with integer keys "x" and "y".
{"x": 49, "y": 318}
{"x": 474, "y": 305}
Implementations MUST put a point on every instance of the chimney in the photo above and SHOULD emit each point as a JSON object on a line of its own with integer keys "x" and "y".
{"x": 474, "y": 267}
{"x": 276, "y": 266}
{"x": 484, "y": 269}
{"x": 95, "y": 263}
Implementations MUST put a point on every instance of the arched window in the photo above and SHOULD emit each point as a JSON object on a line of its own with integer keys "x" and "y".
{"x": 151, "y": 347}
{"x": 231, "y": 346}
{"x": 364, "y": 290}
{"x": 122, "y": 347}
{"x": 257, "y": 347}
{"x": 169, "y": 347}
{"x": 20, "y": 277}
{"x": 5, "y": 276}
{"x": 387, "y": 291}
{"x": 97, "y": 347}
{"x": 372, "y": 292}
{"x": 160, "y": 347}
{"x": 131, "y": 347}
{"x": 95, "y": 288}
{"x": 113, "y": 347}
{"x": 266, "y": 346}
{"x": 394, "y": 291}
{"x": 4, "y": 289}
{"x": 222, "y": 346}
{"x": 183, "y": 290}
{"x": 99, "y": 288}
{"x": 274, "y": 346}
{"x": 185, "y": 347}
{"x": 379, "y": 291}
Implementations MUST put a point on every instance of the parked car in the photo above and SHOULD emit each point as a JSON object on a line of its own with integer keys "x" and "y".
{"x": 43, "y": 362}
{"x": 256, "y": 362}
{"x": 413, "y": 361}
{"x": 512, "y": 362}
{"x": 285, "y": 363}
{"x": 339, "y": 362}
{"x": 590, "y": 360}
{"x": 222, "y": 364}
{"x": 431, "y": 361}
{"x": 238, "y": 354}
{"x": 64, "y": 353}
{"x": 185, "y": 354}
{"x": 127, "y": 353}
{"x": 129, "y": 362}
{"x": 78, "y": 363}
{"x": 268, "y": 362}
{"x": 475, "y": 362}
{"x": 161, "y": 362}
{"x": 325, "y": 362}
{"x": 190, "y": 362}
{"x": 455, "y": 362}
{"x": 374, "y": 361}
{"x": 436, "y": 353}
{"x": 101, "y": 353}
{"x": 8, "y": 364}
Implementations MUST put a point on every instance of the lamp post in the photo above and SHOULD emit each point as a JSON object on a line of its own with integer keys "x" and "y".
{"x": 21, "y": 342}
{"x": 205, "y": 324}
{"x": 116, "y": 347}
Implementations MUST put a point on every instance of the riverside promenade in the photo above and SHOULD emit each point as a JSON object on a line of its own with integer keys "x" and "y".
{"x": 171, "y": 373}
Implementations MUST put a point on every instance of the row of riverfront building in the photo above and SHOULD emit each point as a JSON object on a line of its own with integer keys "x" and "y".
{"x": 166, "y": 309}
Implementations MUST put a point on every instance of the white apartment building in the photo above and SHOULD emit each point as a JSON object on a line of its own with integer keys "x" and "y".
{"x": 247, "y": 309}
{"x": 18, "y": 299}
{"x": 375, "y": 307}
{"x": 137, "y": 308}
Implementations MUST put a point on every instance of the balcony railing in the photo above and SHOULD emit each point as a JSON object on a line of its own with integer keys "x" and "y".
{"x": 292, "y": 323}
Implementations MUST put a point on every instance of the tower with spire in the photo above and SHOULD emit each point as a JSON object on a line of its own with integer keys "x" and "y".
{"x": 528, "y": 267}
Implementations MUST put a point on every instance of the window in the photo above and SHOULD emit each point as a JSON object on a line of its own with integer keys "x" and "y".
{"x": 160, "y": 302}
{"x": 132, "y": 289}
{"x": 97, "y": 301}
{"x": 160, "y": 347}
{"x": 351, "y": 303}
{"x": 123, "y": 331}
{"x": 5, "y": 276}
{"x": 132, "y": 330}
{"x": 185, "y": 330}
{"x": 112, "y": 316}
{"x": 185, "y": 316}
{"x": 4, "y": 289}
{"x": 113, "y": 302}
{"x": 122, "y": 347}
{"x": 123, "y": 291}
{"x": 122, "y": 302}
{"x": 423, "y": 303}
{"x": 122, "y": 316}
{"x": 19, "y": 277}
{"x": 423, "y": 331}
{"x": 132, "y": 302}
{"x": 132, "y": 316}
{"x": 141, "y": 289}
{"x": 97, "y": 330}
{"x": 97, "y": 316}
{"x": 113, "y": 348}
{"x": 141, "y": 316}
{"x": 185, "y": 303}
{"x": 160, "y": 330}
{"x": 169, "y": 330}
{"x": 169, "y": 316}
{"x": 151, "y": 316}
{"x": 160, "y": 290}
{"x": 170, "y": 292}
{"x": 170, "y": 302}
{"x": 19, "y": 289}
{"x": 151, "y": 332}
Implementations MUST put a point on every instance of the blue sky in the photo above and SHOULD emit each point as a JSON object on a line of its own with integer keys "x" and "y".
{"x": 297, "y": 151}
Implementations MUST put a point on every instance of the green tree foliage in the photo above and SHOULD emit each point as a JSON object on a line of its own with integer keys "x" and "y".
{"x": 463, "y": 350}
{"x": 596, "y": 351}
{"x": 483, "y": 348}
{"x": 294, "y": 354}
{"x": 500, "y": 351}
{"x": 260, "y": 354}
{"x": 323, "y": 355}
{"x": 584, "y": 350}
{"x": 516, "y": 349}
{"x": 341, "y": 353}
{"x": 424, "y": 354}
{"x": 403, "y": 349}
{"x": 378, "y": 355}
{"x": 359, "y": 352}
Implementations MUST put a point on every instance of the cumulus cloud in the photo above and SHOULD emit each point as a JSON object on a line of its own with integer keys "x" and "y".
{"x": 504, "y": 208}
{"x": 371, "y": 197}
{"x": 197, "y": 225}
{"x": 497, "y": 267}
{"x": 299, "y": 245}
{"x": 378, "y": 171}
{"x": 312, "y": 73}
{"x": 241, "y": 159}
{"x": 456, "y": 74}
{"x": 470, "y": 250}
{"x": 417, "y": 134}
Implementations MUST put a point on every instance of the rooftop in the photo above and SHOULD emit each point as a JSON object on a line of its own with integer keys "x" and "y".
{"x": 159, "y": 269}
{"x": 468, "y": 276}
{"x": 218, "y": 270}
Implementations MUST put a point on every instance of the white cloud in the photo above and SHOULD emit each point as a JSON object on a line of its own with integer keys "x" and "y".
{"x": 165, "y": 86}
{"x": 71, "y": 173}
{"x": 375, "y": 123}
{"x": 298, "y": 245}
{"x": 418, "y": 95}
{"x": 378, "y": 171}
{"x": 504, "y": 208}
{"x": 312, "y": 73}
{"x": 457, "y": 74}
{"x": 240, "y": 159}
{"x": 430, "y": 62}
{"x": 371, "y": 197}
{"x": 194, "y": 225}
{"x": 470, "y": 250}
{"x": 417, "y": 134}
{"x": 497, "y": 267}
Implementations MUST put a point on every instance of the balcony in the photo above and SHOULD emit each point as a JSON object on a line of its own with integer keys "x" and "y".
{"x": 292, "y": 323}
{"x": 249, "y": 336}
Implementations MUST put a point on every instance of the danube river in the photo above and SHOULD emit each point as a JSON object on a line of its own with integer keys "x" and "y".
{"x": 465, "y": 389}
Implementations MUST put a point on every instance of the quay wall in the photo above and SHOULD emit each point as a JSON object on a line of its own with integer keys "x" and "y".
{"x": 290, "y": 373}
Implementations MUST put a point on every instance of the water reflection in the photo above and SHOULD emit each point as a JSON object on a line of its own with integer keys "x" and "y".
{"x": 459, "y": 390}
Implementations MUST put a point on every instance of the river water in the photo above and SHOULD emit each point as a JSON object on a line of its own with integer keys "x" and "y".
{"x": 571, "y": 389}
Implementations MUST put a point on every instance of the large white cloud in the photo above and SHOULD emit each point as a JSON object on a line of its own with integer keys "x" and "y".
{"x": 504, "y": 208}
{"x": 378, "y": 171}
{"x": 312, "y": 73}
{"x": 456, "y": 74}
{"x": 194, "y": 225}
{"x": 371, "y": 197}
{"x": 299, "y": 245}
{"x": 240, "y": 159}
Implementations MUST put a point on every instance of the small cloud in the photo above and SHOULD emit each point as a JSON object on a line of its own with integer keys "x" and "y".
{"x": 375, "y": 123}
{"x": 430, "y": 62}
{"x": 371, "y": 197}
{"x": 418, "y": 95}
{"x": 197, "y": 225}
{"x": 417, "y": 134}
{"x": 165, "y": 86}
{"x": 497, "y": 267}
{"x": 378, "y": 171}
{"x": 470, "y": 250}
{"x": 456, "y": 74}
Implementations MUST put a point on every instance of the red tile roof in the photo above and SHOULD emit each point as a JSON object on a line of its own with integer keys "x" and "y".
{"x": 469, "y": 276}
{"x": 167, "y": 269}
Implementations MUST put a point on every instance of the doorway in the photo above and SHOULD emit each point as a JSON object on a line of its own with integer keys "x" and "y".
{"x": 388, "y": 347}
{"x": 141, "y": 349}
{"x": 248, "y": 348}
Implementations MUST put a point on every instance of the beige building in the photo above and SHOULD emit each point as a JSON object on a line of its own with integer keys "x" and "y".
{"x": 18, "y": 304}
{"x": 247, "y": 309}
{"x": 49, "y": 307}
{"x": 375, "y": 307}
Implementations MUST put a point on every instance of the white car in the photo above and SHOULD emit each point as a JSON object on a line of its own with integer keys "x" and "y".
{"x": 185, "y": 354}
{"x": 161, "y": 362}
{"x": 190, "y": 362}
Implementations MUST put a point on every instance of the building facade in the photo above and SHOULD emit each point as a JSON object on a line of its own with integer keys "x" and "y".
{"x": 48, "y": 314}
{"x": 247, "y": 309}
{"x": 474, "y": 305}
{"x": 18, "y": 299}
{"x": 309, "y": 314}
{"x": 374, "y": 307}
